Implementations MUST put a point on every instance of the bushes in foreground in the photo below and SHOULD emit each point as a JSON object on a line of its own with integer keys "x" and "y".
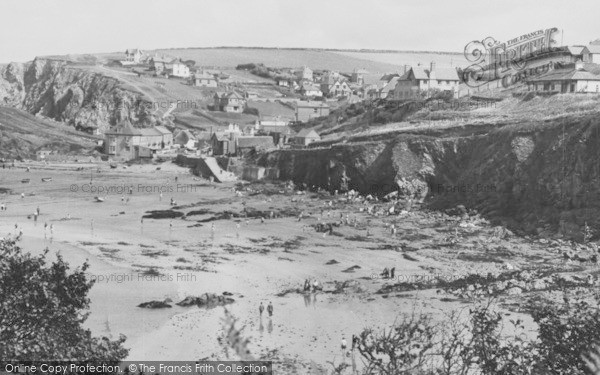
{"x": 42, "y": 310}
{"x": 458, "y": 346}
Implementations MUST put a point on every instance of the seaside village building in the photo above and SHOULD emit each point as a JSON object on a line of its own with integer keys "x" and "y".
{"x": 132, "y": 56}
{"x": 185, "y": 138}
{"x": 234, "y": 142}
{"x": 180, "y": 69}
{"x": 204, "y": 79}
{"x": 276, "y": 127}
{"x": 418, "y": 80}
{"x": 305, "y": 137}
{"x": 309, "y": 110}
{"x": 127, "y": 142}
{"x": 570, "y": 79}
{"x": 358, "y": 76}
{"x": 305, "y": 74}
{"x": 229, "y": 102}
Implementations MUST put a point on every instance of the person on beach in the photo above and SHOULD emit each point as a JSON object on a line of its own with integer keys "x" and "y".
{"x": 392, "y": 272}
{"x": 316, "y": 286}
{"x": 261, "y": 308}
{"x": 355, "y": 341}
{"x": 270, "y": 309}
{"x": 160, "y": 197}
{"x": 37, "y": 210}
{"x": 385, "y": 273}
{"x": 306, "y": 285}
{"x": 344, "y": 345}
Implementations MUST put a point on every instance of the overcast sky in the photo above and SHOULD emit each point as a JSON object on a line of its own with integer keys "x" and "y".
{"x": 29, "y": 28}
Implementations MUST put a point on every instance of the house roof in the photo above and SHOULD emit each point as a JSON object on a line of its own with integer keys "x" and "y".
{"x": 231, "y": 94}
{"x": 301, "y": 104}
{"x": 124, "y": 128}
{"x": 150, "y": 132}
{"x": 441, "y": 74}
{"x": 576, "y": 50}
{"x": 203, "y": 75}
{"x": 391, "y": 85}
{"x": 277, "y": 129}
{"x": 566, "y": 75}
{"x": 221, "y": 137}
{"x": 308, "y": 133}
{"x": 185, "y": 133}
{"x": 594, "y": 48}
{"x": 254, "y": 141}
{"x": 387, "y": 77}
{"x": 162, "y": 130}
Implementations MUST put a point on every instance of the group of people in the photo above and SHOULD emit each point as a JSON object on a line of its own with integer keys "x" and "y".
{"x": 261, "y": 309}
{"x": 312, "y": 286}
{"x": 355, "y": 342}
{"x": 389, "y": 273}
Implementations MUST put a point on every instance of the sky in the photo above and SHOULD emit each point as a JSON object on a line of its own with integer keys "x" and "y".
{"x": 30, "y": 28}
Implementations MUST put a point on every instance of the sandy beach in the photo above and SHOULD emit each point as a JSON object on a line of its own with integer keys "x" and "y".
{"x": 158, "y": 259}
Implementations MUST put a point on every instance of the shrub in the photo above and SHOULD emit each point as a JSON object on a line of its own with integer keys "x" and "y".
{"x": 42, "y": 310}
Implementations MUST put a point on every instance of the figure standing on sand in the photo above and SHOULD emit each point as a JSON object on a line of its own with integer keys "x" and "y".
{"x": 355, "y": 341}
{"x": 316, "y": 286}
{"x": 344, "y": 345}
{"x": 270, "y": 309}
{"x": 392, "y": 272}
{"x": 385, "y": 273}
{"x": 261, "y": 308}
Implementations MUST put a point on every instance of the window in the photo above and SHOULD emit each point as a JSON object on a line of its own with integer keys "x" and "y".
{"x": 315, "y": 110}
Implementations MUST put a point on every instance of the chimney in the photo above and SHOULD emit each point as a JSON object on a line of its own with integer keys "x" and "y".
{"x": 432, "y": 66}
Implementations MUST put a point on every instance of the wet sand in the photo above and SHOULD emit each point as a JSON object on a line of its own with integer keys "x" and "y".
{"x": 254, "y": 263}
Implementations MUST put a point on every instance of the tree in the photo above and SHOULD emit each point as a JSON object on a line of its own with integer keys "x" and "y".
{"x": 42, "y": 309}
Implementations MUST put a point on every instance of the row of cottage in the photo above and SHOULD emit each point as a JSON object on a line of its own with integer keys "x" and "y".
{"x": 127, "y": 142}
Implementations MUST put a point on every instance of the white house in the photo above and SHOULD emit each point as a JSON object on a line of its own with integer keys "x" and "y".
{"x": 204, "y": 79}
{"x": 133, "y": 56}
{"x": 594, "y": 53}
{"x": 305, "y": 74}
{"x": 180, "y": 69}
{"x": 570, "y": 80}
{"x": 418, "y": 80}
{"x": 310, "y": 89}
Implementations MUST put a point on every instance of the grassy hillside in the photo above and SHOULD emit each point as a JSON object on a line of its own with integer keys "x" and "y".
{"x": 22, "y": 134}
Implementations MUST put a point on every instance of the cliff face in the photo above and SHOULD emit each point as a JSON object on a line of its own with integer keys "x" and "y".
{"x": 78, "y": 97}
{"x": 537, "y": 177}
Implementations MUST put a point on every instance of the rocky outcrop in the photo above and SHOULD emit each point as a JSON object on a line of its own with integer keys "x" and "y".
{"x": 65, "y": 93}
{"x": 207, "y": 300}
{"x": 538, "y": 177}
